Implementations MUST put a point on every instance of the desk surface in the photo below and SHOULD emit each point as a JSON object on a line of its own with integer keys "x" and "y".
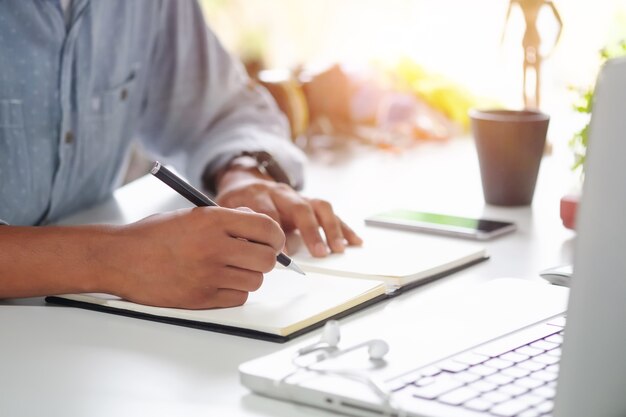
{"x": 59, "y": 361}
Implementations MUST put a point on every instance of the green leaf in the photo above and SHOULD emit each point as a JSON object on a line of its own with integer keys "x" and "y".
{"x": 584, "y": 103}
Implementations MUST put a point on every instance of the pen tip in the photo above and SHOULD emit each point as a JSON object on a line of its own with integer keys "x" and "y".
{"x": 296, "y": 268}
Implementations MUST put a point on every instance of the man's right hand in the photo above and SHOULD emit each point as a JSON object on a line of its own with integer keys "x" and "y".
{"x": 199, "y": 258}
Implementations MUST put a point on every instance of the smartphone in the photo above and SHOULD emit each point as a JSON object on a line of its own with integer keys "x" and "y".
{"x": 481, "y": 229}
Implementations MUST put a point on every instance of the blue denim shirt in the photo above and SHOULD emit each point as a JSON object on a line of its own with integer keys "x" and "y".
{"x": 73, "y": 97}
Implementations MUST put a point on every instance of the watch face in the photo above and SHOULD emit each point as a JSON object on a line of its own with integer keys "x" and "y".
{"x": 268, "y": 165}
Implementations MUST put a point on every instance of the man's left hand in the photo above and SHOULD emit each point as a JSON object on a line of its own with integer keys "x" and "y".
{"x": 239, "y": 187}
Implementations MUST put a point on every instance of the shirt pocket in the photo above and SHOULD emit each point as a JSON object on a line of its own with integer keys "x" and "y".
{"x": 15, "y": 169}
{"x": 109, "y": 129}
{"x": 112, "y": 100}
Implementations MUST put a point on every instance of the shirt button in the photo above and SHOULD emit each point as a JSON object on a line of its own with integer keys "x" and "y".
{"x": 69, "y": 137}
{"x": 124, "y": 94}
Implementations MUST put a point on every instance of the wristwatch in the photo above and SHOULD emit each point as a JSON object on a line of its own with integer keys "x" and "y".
{"x": 261, "y": 161}
{"x": 267, "y": 165}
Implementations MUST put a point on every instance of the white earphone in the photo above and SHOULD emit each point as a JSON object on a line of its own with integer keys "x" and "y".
{"x": 376, "y": 349}
{"x": 329, "y": 343}
{"x": 328, "y": 348}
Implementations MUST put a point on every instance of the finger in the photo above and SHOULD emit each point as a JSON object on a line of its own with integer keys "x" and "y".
{"x": 249, "y": 255}
{"x": 350, "y": 235}
{"x": 301, "y": 214}
{"x": 254, "y": 227}
{"x": 238, "y": 279}
{"x": 330, "y": 224}
{"x": 225, "y": 297}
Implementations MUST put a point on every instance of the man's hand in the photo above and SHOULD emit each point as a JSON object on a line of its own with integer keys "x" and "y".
{"x": 197, "y": 258}
{"x": 200, "y": 258}
{"x": 244, "y": 187}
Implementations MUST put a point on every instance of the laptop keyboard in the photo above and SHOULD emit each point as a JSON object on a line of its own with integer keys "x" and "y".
{"x": 512, "y": 376}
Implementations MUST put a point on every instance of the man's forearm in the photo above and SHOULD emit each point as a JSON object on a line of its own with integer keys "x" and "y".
{"x": 37, "y": 261}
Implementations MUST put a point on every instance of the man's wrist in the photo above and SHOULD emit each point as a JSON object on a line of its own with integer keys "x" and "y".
{"x": 241, "y": 168}
{"x": 260, "y": 165}
{"x": 247, "y": 164}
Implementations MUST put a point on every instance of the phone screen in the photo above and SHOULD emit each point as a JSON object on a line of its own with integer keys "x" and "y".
{"x": 446, "y": 220}
{"x": 440, "y": 222}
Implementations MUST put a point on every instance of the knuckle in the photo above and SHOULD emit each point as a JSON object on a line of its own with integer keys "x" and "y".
{"x": 240, "y": 298}
{"x": 322, "y": 205}
{"x": 209, "y": 213}
{"x": 302, "y": 209}
{"x": 333, "y": 233}
{"x": 311, "y": 230}
{"x": 281, "y": 241}
{"x": 272, "y": 230}
{"x": 271, "y": 213}
{"x": 283, "y": 187}
{"x": 197, "y": 213}
{"x": 256, "y": 281}
{"x": 210, "y": 291}
{"x": 268, "y": 225}
{"x": 202, "y": 299}
{"x": 256, "y": 188}
{"x": 267, "y": 261}
{"x": 227, "y": 201}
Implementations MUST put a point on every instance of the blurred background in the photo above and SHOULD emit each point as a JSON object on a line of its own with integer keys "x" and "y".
{"x": 396, "y": 72}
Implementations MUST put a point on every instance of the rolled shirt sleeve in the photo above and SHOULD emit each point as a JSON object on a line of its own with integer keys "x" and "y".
{"x": 201, "y": 109}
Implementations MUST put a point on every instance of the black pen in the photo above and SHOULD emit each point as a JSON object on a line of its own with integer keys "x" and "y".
{"x": 199, "y": 199}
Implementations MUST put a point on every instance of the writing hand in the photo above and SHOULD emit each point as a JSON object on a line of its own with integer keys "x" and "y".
{"x": 199, "y": 258}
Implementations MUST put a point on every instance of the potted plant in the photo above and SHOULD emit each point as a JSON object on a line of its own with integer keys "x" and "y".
{"x": 578, "y": 143}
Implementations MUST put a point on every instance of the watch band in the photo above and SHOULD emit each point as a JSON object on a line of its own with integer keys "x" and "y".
{"x": 262, "y": 161}
{"x": 267, "y": 165}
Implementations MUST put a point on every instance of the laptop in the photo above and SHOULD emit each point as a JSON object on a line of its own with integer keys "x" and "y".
{"x": 557, "y": 365}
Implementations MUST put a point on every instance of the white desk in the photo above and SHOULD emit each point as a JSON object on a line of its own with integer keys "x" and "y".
{"x": 58, "y": 361}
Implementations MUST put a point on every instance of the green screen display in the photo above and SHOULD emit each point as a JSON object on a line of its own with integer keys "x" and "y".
{"x": 443, "y": 220}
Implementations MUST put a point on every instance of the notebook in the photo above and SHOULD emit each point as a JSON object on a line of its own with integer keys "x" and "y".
{"x": 284, "y": 306}
{"x": 288, "y": 305}
{"x": 400, "y": 259}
